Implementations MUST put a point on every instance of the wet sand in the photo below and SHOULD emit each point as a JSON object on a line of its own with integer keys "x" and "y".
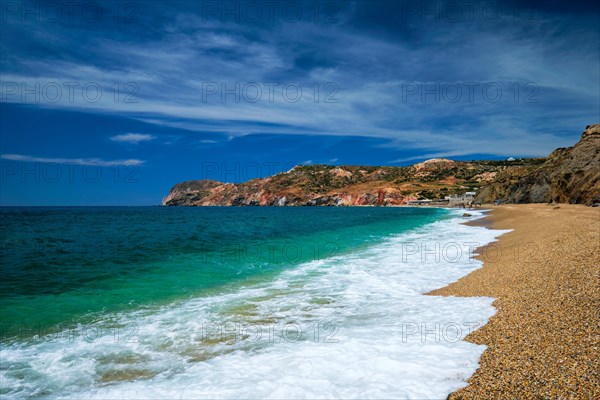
{"x": 544, "y": 340}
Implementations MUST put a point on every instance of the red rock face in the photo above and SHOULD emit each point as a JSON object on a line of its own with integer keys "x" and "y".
{"x": 202, "y": 193}
{"x": 263, "y": 193}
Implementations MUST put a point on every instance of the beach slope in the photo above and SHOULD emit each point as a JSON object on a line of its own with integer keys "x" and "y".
{"x": 544, "y": 340}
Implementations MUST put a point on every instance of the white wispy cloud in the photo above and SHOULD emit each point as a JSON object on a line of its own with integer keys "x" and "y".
{"x": 133, "y": 138}
{"x": 168, "y": 72}
{"x": 98, "y": 162}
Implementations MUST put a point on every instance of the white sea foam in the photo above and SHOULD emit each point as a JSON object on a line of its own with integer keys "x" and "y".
{"x": 378, "y": 335}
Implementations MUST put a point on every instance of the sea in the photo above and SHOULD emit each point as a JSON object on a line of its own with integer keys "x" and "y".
{"x": 236, "y": 302}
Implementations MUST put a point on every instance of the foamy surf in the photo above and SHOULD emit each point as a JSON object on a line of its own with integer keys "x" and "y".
{"x": 357, "y": 325}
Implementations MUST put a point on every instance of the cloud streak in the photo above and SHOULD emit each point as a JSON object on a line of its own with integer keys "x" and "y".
{"x": 98, "y": 162}
{"x": 132, "y": 138}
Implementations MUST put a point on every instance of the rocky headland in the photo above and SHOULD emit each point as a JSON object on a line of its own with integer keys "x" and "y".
{"x": 567, "y": 175}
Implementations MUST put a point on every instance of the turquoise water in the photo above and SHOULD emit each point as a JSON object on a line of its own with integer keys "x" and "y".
{"x": 80, "y": 264}
{"x": 307, "y": 302}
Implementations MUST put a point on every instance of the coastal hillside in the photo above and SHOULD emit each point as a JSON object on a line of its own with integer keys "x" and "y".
{"x": 326, "y": 185}
{"x": 569, "y": 175}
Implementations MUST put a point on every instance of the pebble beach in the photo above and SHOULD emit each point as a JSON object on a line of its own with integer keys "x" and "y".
{"x": 544, "y": 340}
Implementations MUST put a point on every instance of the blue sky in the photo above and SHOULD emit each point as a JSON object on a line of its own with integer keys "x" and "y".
{"x": 111, "y": 103}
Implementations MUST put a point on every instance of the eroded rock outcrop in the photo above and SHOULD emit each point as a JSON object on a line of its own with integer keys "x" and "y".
{"x": 569, "y": 175}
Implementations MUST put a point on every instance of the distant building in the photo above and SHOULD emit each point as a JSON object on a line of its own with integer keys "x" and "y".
{"x": 510, "y": 159}
{"x": 457, "y": 200}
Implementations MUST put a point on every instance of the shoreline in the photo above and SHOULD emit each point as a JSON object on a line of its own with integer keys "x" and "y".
{"x": 543, "y": 338}
{"x": 361, "y": 293}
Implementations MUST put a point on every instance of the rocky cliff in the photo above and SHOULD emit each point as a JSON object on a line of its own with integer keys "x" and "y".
{"x": 569, "y": 175}
{"x": 326, "y": 185}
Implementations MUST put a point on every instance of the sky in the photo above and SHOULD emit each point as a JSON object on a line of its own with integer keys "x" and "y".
{"x": 112, "y": 103}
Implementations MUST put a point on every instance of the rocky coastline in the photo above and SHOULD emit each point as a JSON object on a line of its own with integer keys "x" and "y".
{"x": 567, "y": 175}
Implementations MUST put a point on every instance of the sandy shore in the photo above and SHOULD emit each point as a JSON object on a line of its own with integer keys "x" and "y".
{"x": 544, "y": 341}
